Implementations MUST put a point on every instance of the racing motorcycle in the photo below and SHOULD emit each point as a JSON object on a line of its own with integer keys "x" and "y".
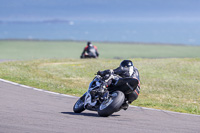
{"x": 86, "y": 55}
{"x": 105, "y": 100}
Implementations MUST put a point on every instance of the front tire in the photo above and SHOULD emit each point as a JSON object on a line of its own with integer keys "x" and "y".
{"x": 108, "y": 107}
{"x": 79, "y": 105}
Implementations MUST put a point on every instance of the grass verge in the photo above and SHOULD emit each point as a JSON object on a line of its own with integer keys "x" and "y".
{"x": 28, "y": 50}
{"x": 170, "y": 84}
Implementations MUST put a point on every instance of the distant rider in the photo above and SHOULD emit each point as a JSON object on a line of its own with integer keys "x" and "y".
{"x": 125, "y": 73}
{"x": 90, "y": 51}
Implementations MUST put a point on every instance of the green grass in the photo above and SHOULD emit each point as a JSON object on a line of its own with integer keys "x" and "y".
{"x": 26, "y": 50}
{"x": 169, "y": 84}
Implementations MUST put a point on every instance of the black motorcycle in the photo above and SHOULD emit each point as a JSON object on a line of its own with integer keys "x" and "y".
{"x": 86, "y": 55}
{"x": 105, "y": 100}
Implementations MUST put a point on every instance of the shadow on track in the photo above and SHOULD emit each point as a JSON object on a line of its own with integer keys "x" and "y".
{"x": 85, "y": 114}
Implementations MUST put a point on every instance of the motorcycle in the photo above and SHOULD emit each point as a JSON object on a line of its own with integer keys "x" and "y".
{"x": 105, "y": 100}
{"x": 86, "y": 55}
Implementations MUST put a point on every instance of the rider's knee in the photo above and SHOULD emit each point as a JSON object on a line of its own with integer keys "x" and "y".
{"x": 134, "y": 95}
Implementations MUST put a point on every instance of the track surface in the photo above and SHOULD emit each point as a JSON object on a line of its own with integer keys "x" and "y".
{"x": 27, "y": 110}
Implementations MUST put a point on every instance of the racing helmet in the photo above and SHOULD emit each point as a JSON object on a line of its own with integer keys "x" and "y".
{"x": 89, "y": 43}
{"x": 127, "y": 68}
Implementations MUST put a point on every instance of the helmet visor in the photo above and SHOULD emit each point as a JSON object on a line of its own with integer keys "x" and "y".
{"x": 128, "y": 71}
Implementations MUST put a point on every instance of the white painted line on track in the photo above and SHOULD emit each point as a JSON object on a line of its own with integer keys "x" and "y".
{"x": 24, "y": 86}
{"x": 55, "y": 93}
{"x": 165, "y": 111}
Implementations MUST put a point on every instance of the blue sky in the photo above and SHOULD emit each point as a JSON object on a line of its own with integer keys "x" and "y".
{"x": 126, "y": 10}
{"x": 162, "y": 21}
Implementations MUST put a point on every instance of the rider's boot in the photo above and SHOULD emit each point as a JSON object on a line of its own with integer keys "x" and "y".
{"x": 124, "y": 105}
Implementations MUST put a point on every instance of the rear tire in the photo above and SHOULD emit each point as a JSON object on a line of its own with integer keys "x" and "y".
{"x": 111, "y": 105}
{"x": 79, "y": 105}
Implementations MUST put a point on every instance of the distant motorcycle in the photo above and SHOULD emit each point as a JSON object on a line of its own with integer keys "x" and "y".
{"x": 104, "y": 100}
{"x": 86, "y": 55}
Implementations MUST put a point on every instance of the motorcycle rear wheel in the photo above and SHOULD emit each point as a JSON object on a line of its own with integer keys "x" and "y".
{"x": 111, "y": 105}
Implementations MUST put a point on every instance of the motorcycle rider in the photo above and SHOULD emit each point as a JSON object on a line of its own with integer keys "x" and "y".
{"x": 126, "y": 75}
{"x": 90, "y": 51}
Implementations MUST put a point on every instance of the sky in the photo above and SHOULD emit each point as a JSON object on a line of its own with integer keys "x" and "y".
{"x": 160, "y": 21}
{"x": 100, "y": 10}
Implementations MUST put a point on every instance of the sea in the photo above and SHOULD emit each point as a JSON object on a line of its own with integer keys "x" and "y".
{"x": 160, "y": 32}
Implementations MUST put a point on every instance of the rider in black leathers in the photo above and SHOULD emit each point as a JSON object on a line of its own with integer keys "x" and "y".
{"x": 125, "y": 73}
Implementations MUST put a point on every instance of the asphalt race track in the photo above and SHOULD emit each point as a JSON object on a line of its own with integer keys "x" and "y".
{"x": 24, "y": 110}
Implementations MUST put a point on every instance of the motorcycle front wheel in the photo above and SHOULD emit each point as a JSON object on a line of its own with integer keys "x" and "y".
{"x": 112, "y": 104}
{"x": 79, "y": 105}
